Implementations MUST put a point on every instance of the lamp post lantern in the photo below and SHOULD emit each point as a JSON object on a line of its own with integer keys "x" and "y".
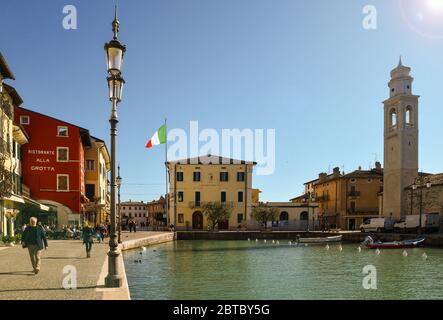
{"x": 114, "y": 56}
{"x": 119, "y": 182}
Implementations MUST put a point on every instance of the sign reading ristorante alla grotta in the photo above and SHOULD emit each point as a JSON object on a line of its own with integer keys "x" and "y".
{"x": 42, "y": 160}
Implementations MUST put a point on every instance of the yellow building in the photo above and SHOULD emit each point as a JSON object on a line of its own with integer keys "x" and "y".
{"x": 346, "y": 200}
{"x": 196, "y": 181}
{"x": 14, "y": 201}
{"x": 97, "y": 166}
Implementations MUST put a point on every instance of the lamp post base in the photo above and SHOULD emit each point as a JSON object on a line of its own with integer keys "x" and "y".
{"x": 114, "y": 279}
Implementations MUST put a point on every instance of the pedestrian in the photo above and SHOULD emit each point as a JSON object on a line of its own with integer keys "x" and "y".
{"x": 34, "y": 239}
{"x": 87, "y": 238}
{"x": 131, "y": 225}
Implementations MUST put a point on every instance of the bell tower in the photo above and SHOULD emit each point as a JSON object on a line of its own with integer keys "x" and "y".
{"x": 400, "y": 141}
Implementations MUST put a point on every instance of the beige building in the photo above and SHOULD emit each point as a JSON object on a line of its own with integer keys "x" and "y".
{"x": 295, "y": 216}
{"x": 400, "y": 141}
{"x": 427, "y": 198}
{"x": 133, "y": 210}
{"x": 195, "y": 181}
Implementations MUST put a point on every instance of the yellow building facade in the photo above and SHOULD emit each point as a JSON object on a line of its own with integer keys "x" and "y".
{"x": 346, "y": 200}
{"x": 97, "y": 166}
{"x": 196, "y": 181}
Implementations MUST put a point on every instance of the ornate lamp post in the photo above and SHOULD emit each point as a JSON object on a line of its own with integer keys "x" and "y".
{"x": 114, "y": 54}
{"x": 421, "y": 183}
{"x": 119, "y": 181}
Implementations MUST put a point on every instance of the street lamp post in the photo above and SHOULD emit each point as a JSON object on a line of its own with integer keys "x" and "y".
{"x": 420, "y": 183}
{"x": 114, "y": 54}
{"x": 119, "y": 181}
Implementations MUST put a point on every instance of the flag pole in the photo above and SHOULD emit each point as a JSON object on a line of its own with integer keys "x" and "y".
{"x": 168, "y": 222}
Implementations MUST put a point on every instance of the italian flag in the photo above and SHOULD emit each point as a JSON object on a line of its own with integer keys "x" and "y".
{"x": 159, "y": 137}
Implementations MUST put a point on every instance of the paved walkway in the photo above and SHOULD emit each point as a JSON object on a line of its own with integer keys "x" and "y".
{"x": 18, "y": 282}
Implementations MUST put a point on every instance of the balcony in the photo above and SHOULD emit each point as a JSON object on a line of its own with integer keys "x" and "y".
{"x": 5, "y": 148}
{"x": 363, "y": 211}
{"x": 200, "y": 204}
{"x": 6, "y": 107}
{"x": 354, "y": 193}
{"x": 323, "y": 198}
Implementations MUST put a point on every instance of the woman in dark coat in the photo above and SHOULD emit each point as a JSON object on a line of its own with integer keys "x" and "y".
{"x": 34, "y": 239}
{"x": 88, "y": 238}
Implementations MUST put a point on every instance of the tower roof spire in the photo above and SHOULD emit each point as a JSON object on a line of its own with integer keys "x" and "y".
{"x": 400, "y": 62}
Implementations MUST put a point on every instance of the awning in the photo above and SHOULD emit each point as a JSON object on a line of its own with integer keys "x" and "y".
{"x": 36, "y": 203}
{"x": 14, "y": 198}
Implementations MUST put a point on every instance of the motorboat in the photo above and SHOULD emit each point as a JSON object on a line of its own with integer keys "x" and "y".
{"x": 404, "y": 244}
{"x": 319, "y": 239}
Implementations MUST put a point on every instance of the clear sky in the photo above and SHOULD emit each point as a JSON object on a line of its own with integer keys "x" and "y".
{"x": 307, "y": 69}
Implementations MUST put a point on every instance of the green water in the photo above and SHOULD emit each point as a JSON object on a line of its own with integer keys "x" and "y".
{"x": 196, "y": 270}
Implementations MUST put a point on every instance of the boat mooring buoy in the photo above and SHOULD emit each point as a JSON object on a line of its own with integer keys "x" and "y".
{"x": 143, "y": 248}
{"x": 264, "y": 241}
{"x": 327, "y": 247}
{"x": 249, "y": 239}
{"x": 290, "y": 242}
{"x": 256, "y": 240}
{"x": 424, "y": 256}
{"x": 359, "y": 249}
{"x": 340, "y": 248}
{"x": 377, "y": 252}
{"x": 405, "y": 253}
{"x": 278, "y": 242}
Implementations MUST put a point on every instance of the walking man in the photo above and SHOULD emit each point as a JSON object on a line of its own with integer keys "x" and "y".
{"x": 87, "y": 233}
{"x": 34, "y": 239}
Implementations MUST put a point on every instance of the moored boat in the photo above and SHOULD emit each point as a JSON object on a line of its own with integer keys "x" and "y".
{"x": 404, "y": 244}
{"x": 320, "y": 239}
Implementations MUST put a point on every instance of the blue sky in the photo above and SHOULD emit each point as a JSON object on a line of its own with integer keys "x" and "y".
{"x": 307, "y": 69}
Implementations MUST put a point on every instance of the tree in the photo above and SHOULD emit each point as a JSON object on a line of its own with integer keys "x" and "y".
{"x": 264, "y": 213}
{"x": 216, "y": 212}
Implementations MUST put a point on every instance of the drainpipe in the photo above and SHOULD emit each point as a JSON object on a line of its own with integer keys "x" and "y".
{"x": 246, "y": 193}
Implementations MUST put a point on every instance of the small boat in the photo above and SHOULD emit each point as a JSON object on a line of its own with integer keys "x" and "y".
{"x": 320, "y": 239}
{"x": 371, "y": 244}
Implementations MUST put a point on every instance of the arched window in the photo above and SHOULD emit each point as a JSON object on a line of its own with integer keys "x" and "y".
{"x": 284, "y": 216}
{"x": 393, "y": 117}
{"x": 304, "y": 216}
{"x": 408, "y": 115}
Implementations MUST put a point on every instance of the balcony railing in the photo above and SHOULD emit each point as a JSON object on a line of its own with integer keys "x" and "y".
{"x": 200, "y": 204}
{"x": 362, "y": 210}
{"x": 354, "y": 193}
{"x": 323, "y": 198}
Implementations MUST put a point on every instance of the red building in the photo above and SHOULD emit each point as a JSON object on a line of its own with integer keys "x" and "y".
{"x": 53, "y": 164}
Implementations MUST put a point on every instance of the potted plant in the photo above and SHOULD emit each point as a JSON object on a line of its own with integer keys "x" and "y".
{"x": 8, "y": 241}
{"x": 18, "y": 238}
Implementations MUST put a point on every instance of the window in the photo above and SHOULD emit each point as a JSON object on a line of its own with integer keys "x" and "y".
{"x": 224, "y": 176}
{"x": 197, "y": 198}
{"x": 240, "y": 218}
{"x": 240, "y": 176}
{"x": 62, "y": 131}
{"x": 197, "y": 175}
{"x": 24, "y": 120}
{"x": 353, "y": 180}
{"x": 180, "y": 196}
{"x": 408, "y": 115}
{"x": 240, "y": 196}
{"x": 352, "y": 206}
{"x": 62, "y": 154}
{"x": 393, "y": 117}
{"x": 181, "y": 218}
{"x": 90, "y": 165}
{"x": 223, "y": 196}
{"x": 179, "y": 176}
{"x": 90, "y": 191}
{"x": 62, "y": 182}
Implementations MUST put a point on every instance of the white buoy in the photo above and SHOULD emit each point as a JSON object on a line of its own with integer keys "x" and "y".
{"x": 273, "y": 241}
{"x": 256, "y": 240}
{"x": 249, "y": 239}
{"x": 405, "y": 253}
{"x": 424, "y": 256}
{"x": 264, "y": 241}
{"x": 377, "y": 252}
{"x": 340, "y": 248}
{"x": 306, "y": 244}
{"x": 143, "y": 248}
{"x": 327, "y": 247}
{"x": 278, "y": 242}
{"x": 359, "y": 249}
{"x": 290, "y": 242}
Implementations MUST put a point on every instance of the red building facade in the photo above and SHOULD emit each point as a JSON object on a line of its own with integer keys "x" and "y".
{"x": 53, "y": 164}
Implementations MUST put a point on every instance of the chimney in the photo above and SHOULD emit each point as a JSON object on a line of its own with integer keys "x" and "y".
{"x": 377, "y": 166}
{"x": 359, "y": 168}
{"x": 322, "y": 176}
{"x": 336, "y": 172}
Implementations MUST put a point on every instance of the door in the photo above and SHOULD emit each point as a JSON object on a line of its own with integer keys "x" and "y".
{"x": 197, "y": 220}
{"x": 223, "y": 225}
{"x": 351, "y": 224}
